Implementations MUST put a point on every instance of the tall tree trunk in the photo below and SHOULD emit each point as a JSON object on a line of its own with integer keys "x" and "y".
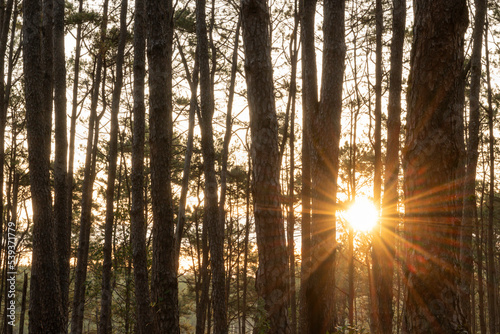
{"x": 164, "y": 286}
{"x": 5, "y": 14}
{"x": 466, "y": 253}
{"x": 390, "y": 214}
{"x": 325, "y": 138}
{"x": 432, "y": 165}
{"x": 377, "y": 175}
{"x": 272, "y": 275}
{"x": 310, "y": 104}
{"x": 144, "y": 314}
{"x": 138, "y": 226}
{"x": 63, "y": 235}
{"x": 46, "y": 314}
{"x": 211, "y": 210}
{"x": 106, "y": 292}
{"x": 87, "y": 190}
{"x": 490, "y": 254}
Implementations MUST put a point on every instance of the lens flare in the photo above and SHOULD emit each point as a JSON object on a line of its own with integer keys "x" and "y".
{"x": 362, "y": 215}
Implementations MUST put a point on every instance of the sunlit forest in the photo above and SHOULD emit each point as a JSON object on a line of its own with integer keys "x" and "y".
{"x": 249, "y": 166}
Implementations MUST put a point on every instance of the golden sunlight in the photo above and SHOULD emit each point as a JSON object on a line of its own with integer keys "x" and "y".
{"x": 362, "y": 215}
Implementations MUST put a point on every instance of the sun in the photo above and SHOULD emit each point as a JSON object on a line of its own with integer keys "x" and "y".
{"x": 362, "y": 215}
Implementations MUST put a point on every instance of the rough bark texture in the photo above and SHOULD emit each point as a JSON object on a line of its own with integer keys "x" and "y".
{"x": 211, "y": 208}
{"x": 272, "y": 275}
{"x": 432, "y": 168}
{"x": 310, "y": 104}
{"x": 466, "y": 250}
{"x": 138, "y": 223}
{"x": 390, "y": 215}
{"x": 106, "y": 292}
{"x": 325, "y": 136}
{"x": 46, "y": 314}
{"x": 63, "y": 236}
{"x": 164, "y": 272}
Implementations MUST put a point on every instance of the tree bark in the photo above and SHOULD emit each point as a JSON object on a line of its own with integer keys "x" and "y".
{"x": 164, "y": 286}
{"x": 490, "y": 254}
{"x": 272, "y": 275}
{"x": 310, "y": 104}
{"x": 106, "y": 292}
{"x": 466, "y": 253}
{"x": 433, "y": 156}
{"x": 138, "y": 226}
{"x": 46, "y": 314}
{"x": 211, "y": 210}
{"x": 63, "y": 235}
{"x": 390, "y": 214}
{"x": 325, "y": 137}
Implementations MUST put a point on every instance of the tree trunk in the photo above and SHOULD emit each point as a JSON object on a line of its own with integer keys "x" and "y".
{"x": 490, "y": 254}
{"x": 325, "y": 138}
{"x": 63, "y": 235}
{"x": 390, "y": 214}
{"x": 310, "y": 104}
{"x": 272, "y": 275}
{"x": 211, "y": 209}
{"x": 4, "y": 33}
{"x": 106, "y": 292}
{"x": 466, "y": 254}
{"x": 432, "y": 165}
{"x": 46, "y": 314}
{"x": 164, "y": 287}
{"x": 377, "y": 175}
{"x": 245, "y": 243}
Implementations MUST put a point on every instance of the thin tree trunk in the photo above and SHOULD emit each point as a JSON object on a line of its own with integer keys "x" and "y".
{"x": 466, "y": 254}
{"x": 46, "y": 314}
{"x": 138, "y": 226}
{"x": 433, "y": 158}
{"x": 106, "y": 292}
{"x": 291, "y": 213}
{"x": 63, "y": 235}
{"x": 490, "y": 270}
{"x": 4, "y": 33}
{"x": 377, "y": 175}
{"x": 211, "y": 210}
{"x": 87, "y": 189}
{"x": 164, "y": 286}
{"x": 479, "y": 254}
{"x": 310, "y": 104}
{"x": 272, "y": 276}
{"x": 390, "y": 214}
{"x": 245, "y": 257}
